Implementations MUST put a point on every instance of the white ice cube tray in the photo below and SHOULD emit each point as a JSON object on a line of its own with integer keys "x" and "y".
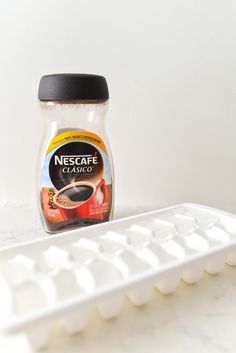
{"x": 64, "y": 277}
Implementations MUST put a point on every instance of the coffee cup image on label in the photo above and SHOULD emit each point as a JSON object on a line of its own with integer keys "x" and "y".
{"x": 81, "y": 200}
{"x": 74, "y": 195}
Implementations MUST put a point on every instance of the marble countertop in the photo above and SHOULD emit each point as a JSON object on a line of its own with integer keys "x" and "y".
{"x": 199, "y": 317}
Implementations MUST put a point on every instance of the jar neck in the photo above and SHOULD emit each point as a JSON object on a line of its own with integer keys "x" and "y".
{"x": 73, "y": 115}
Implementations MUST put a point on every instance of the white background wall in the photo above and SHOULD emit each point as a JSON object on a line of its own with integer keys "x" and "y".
{"x": 171, "y": 69}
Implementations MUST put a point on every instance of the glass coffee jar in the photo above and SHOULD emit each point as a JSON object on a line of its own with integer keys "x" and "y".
{"x": 76, "y": 171}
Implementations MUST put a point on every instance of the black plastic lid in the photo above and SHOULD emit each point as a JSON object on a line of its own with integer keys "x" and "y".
{"x": 62, "y": 87}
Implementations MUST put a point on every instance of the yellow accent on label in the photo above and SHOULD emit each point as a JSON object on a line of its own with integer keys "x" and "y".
{"x": 76, "y": 136}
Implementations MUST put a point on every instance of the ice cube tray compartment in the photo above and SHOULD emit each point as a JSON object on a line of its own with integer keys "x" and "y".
{"x": 64, "y": 277}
